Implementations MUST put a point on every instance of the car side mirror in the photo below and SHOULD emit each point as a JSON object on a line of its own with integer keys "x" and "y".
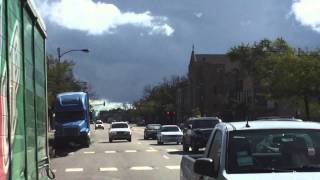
{"x": 204, "y": 166}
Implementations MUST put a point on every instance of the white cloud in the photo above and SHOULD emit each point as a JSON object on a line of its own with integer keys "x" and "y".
{"x": 307, "y": 12}
{"x": 97, "y": 17}
{"x": 198, "y": 14}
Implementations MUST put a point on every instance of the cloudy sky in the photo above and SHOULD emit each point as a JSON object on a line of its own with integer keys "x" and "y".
{"x": 135, "y": 43}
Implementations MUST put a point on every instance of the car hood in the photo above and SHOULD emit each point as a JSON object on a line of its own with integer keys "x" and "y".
{"x": 120, "y": 129}
{"x": 274, "y": 176}
{"x": 171, "y": 133}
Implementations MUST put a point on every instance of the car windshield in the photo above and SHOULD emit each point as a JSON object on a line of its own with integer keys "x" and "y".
{"x": 273, "y": 150}
{"x": 69, "y": 116}
{"x": 197, "y": 124}
{"x": 99, "y": 122}
{"x": 119, "y": 125}
{"x": 169, "y": 129}
{"x": 154, "y": 126}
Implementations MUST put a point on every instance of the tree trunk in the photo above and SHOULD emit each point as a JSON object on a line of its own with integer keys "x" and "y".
{"x": 306, "y": 104}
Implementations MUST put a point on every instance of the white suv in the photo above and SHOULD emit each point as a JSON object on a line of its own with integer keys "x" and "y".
{"x": 120, "y": 131}
{"x": 277, "y": 150}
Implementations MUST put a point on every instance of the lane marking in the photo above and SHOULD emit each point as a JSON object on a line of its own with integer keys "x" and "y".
{"x": 104, "y": 169}
{"x": 88, "y": 152}
{"x": 141, "y": 168}
{"x": 166, "y": 157}
{"x": 177, "y": 167}
{"x": 109, "y": 152}
{"x": 171, "y": 150}
{"x": 130, "y": 151}
{"x": 74, "y": 170}
{"x": 71, "y": 153}
{"x": 139, "y": 143}
{"x": 151, "y": 150}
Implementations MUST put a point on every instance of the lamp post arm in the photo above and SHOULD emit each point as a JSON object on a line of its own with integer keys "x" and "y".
{"x": 60, "y": 55}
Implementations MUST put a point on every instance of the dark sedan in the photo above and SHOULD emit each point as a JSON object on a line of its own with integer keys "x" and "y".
{"x": 151, "y": 131}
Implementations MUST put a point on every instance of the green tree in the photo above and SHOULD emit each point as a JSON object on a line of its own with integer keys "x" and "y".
{"x": 280, "y": 71}
{"x": 292, "y": 75}
{"x": 61, "y": 78}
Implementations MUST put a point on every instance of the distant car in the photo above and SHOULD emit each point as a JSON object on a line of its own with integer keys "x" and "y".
{"x": 197, "y": 132}
{"x": 141, "y": 123}
{"x": 99, "y": 125}
{"x": 169, "y": 133}
{"x": 151, "y": 131}
{"x": 120, "y": 131}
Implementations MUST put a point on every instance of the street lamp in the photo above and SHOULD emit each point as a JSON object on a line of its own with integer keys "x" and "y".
{"x": 72, "y": 50}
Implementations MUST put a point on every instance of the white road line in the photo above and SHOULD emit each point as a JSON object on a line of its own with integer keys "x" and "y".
{"x": 74, "y": 170}
{"x": 138, "y": 142}
{"x": 104, "y": 169}
{"x": 88, "y": 152}
{"x": 171, "y": 150}
{"x": 109, "y": 152}
{"x": 166, "y": 157}
{"x": 130, "y": 151}
{"x": 71, "y": 153}
{"x": 141, "y": 168}
{"x": 151, "y": 150}
{"x": 177, "y": 167}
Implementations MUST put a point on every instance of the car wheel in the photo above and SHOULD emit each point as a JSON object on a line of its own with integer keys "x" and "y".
{"x": 110, "y": 140}
{"x": 185, "y": 148}
{"x": 144, "y": 137}
{"x": 129, "y": 139}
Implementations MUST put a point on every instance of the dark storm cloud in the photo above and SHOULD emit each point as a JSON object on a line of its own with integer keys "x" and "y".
{"x": 121, "y": 64}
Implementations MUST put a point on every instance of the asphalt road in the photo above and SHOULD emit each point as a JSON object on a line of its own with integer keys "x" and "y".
{"x": 136, "y": 160}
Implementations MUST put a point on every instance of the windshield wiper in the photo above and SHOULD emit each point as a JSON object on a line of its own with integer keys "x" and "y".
{"x": 311, "y": 167}
{"x": 273, "y": 170}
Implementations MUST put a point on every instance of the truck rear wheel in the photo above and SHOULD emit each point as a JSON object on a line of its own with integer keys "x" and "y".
{"x": 86, "y": 142}
{"x": 195, "y": 149}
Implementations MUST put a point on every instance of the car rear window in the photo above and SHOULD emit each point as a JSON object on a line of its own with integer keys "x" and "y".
{"x": 154, "y": 126}
{"x": 198, "y": 124}
{"x": 169, "y": 129}
{"x": 119, "y": 125}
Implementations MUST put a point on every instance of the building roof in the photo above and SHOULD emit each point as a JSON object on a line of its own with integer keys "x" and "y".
{"x": 212, "y": 59}
{"x": 255, "y": 125}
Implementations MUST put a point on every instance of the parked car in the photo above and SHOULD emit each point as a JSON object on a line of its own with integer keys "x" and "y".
{"x": 120, "y": 131}
{"x": 169, "y": 133}
{"x": 99, "y": 124}
{"x": 151, "y": 131}
{"x": 278, "y": 150}
{"x": 197, "y": 132}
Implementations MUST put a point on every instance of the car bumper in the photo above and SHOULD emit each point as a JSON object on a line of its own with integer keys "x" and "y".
{"x": 151, "y": 134}
{"x": 199, "y": 142}
{"x": 120, "y": 136}
{"x": 166, "y": 139}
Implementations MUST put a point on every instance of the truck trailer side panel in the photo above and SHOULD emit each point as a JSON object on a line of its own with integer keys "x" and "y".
{"x": 23, "y": 99}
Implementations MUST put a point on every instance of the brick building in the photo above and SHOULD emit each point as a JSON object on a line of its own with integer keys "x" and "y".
{"x": 216, "y": 88}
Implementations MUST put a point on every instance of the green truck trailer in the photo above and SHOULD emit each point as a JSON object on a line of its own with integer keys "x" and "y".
{"x": 23, "y": 93}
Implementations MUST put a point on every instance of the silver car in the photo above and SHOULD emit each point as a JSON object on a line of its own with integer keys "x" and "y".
{"x": 169, "y": 134}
